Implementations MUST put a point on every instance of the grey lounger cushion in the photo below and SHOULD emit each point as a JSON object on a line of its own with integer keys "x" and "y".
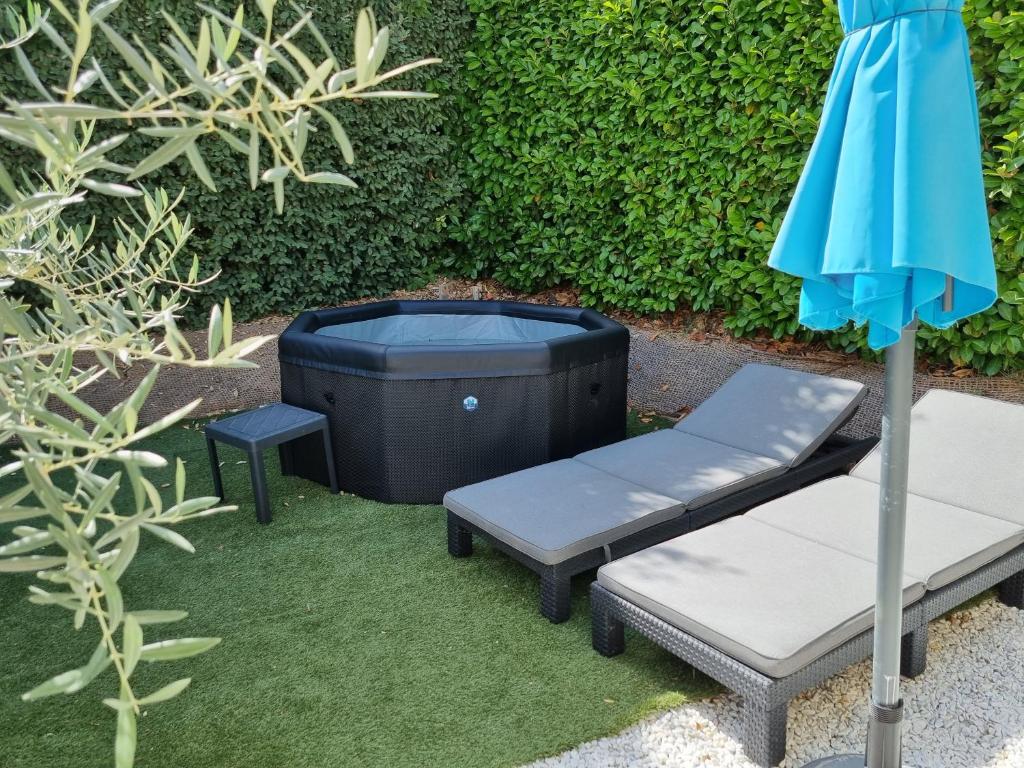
{"x": 964, "y": 450}
{"x": 943, "y": 542}
{"x": 769, "y": 599}
{"x": 689, "y": 468}
{"x": 558, "y": 510}
{"x": 776, "y": 412}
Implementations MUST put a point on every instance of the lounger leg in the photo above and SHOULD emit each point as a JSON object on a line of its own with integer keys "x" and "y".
{"x": 460, "y": 540}
{"x": 764, "y": 738}
{"x": 1011, "y": 591}
{"x": 607, "y": 633}
{"x": 555, "y": 594}
{"x": 914, "y": 652}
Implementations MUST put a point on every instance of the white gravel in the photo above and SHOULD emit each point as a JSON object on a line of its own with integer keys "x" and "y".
{"x": 965, "y": 711}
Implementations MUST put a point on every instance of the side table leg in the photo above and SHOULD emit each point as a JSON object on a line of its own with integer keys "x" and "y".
{"x": 259, "y": 485}
{"x": 284, "y": 453}
{"x": 332, "y": 473}
{"x": 218, "y": 487}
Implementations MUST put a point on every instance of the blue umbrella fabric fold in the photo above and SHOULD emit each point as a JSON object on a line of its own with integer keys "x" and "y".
{"x": 891, "y": 199}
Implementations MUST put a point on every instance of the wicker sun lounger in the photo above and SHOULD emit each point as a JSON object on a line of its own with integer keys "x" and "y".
{"x": 776, "y": 601}
{"x": 766, "y": 432}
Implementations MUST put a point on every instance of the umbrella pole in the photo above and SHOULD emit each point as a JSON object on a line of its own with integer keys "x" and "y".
{"x": 884, "y": 742}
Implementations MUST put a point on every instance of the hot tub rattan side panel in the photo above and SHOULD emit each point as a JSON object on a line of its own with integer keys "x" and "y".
{"x": 594, "y": 409}
{"x": 410, "y": 441}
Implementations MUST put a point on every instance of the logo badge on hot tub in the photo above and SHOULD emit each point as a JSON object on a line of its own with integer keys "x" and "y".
{"x": 470, "y": 403}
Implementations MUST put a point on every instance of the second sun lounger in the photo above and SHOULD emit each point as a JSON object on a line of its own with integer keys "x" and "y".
{"x": 767, "y": 431}
{"x": 774, "y": 602}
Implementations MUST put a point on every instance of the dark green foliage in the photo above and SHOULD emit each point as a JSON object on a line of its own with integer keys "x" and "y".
{"x": 331, "y": 243}
{"x": 350, "y": 639}
{"x": 646, "y": 151}
{"x": 995, "y": 340}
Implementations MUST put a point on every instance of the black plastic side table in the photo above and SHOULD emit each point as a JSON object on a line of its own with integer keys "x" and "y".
{"x": 263, "y": 428}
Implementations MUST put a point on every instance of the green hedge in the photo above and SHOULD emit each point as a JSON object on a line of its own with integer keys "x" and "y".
{"x": 646, "y": 150}
{"x": 331, "y": 243}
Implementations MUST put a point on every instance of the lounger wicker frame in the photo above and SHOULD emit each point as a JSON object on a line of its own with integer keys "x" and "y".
{"x": 836, "y": 456}
{"x": 766, "y": 699}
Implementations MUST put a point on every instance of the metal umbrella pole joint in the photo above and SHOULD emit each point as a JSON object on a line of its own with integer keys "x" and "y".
{"x": 884, "y": 741}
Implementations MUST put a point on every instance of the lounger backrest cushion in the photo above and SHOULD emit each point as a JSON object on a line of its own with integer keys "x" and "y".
{"x": 964, "y": 450}
{"x": 775, "y": 412}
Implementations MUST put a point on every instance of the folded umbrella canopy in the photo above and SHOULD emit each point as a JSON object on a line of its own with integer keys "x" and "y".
{"x": 888, "y": 225}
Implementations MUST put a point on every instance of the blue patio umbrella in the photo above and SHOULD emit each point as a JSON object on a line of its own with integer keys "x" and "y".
{"x": 888, "y": 225}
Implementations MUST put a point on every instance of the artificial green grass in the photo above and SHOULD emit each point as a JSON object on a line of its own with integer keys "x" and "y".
{"x": 350, "y": 638}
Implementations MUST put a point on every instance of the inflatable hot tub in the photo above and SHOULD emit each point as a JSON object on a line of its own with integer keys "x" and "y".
{"x": 426, "y": 396}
